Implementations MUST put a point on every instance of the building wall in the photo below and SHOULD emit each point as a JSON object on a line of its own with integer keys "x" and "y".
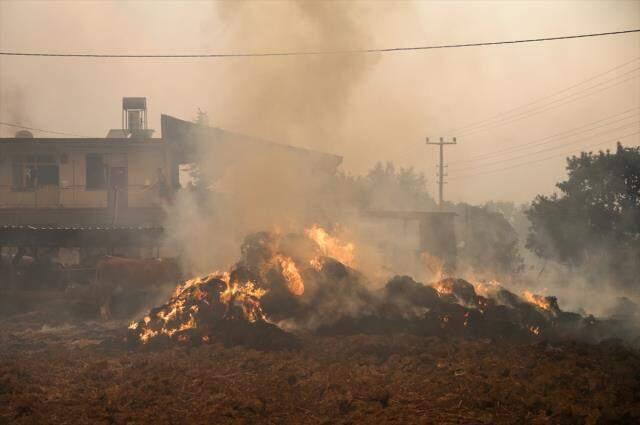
{"x": 143, "y": 175}
{"x": 73, "y": 192}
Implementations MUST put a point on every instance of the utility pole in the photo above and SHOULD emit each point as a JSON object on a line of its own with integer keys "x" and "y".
{"x": 441, "y": 166}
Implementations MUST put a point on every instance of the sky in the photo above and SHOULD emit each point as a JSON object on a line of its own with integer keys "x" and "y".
{"x": 366, "y": 107}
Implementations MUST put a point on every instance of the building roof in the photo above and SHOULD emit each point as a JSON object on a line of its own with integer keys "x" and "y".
{"x": 80, "y": 142}
{"x": 37, "y": 227}
{"x": 188, "y": 133}
{"x": 117, "y": 133}
{"x": 78, "y": 236}
{"x": 175, "y": 130}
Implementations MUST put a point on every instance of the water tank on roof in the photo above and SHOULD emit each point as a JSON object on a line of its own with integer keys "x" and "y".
{"x": 134, "y": 113}
{"x": 134, "y": 117}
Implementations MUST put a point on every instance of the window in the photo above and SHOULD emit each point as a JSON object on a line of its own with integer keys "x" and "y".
{"x": 24, "y": 173}
{"x": 48, "y": 175}
{"x": 96, "y": 172}
{"x": 32, "y": 171}
{"x": 47, "y": 171}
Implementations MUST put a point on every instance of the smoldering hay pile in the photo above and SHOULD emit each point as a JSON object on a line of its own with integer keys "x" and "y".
{"x": 284, "y": 284}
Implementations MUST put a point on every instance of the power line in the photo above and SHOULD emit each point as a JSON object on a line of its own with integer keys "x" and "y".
{"x": 507, "y": 112}
{"x": 314, "y": 53}
{"x": 39, "y": 129}
{"x": 541, "y": 159}
{"x": 547, "y": 149}
{"x": 552, "y": 138}
{"x": 562, "y": 101}
{"x": 542, "y": 141}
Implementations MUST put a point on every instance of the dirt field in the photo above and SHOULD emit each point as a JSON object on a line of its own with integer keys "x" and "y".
{"x": 61, "y": 370}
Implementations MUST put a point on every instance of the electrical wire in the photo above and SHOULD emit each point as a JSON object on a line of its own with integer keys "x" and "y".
{"x": 554, "y": 104}
{"x": 313, "y": 53}
{"x": 566, "y": 89}
{"x": 525, "y": 155}
{"x": 550, "y": 139}
{"x": 540, "y": 159}
{"x": 8, "y": 124}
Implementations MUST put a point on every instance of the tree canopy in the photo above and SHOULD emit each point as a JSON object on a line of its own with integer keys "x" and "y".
{"x": 384, "y": 187}
{"x": 595, "y": 219}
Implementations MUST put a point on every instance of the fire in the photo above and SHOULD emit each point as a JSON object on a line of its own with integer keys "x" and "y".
{"x": 485, "y": 289}
{"x": 316, "y": 263}
{"x": 537, "y": 300}
{"x": 199, "y": 281}
{"x": 443, "y": 288}
{"x": 247, "y": 296}
{"x": 259, "y": 292}
{"x": 330, "y": 246}
{"x": 291, "y": 274}
{"x": 203, "y": 302}
{"x": 214, "y": 294}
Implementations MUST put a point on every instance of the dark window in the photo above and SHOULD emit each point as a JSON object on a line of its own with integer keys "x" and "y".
{"x": 48, "y": 175}
{"x": 24, "y": 173}
{"x": 96, "y": 172}
{"x": 47, "y": 171}
{"x": 32, "y": 171}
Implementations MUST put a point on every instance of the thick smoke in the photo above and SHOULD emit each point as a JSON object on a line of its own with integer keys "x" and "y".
{"x": 209, "y": 222}
{"x": 305, "y": 97}
{"x": 12, "y": 108}
{"x": 303, "y": 100}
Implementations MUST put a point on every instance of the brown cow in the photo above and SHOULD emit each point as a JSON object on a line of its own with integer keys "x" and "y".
{"x": 129, "y": 275}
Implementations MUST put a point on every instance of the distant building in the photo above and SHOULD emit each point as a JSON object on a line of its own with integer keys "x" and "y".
{"x": 83, "y": 191}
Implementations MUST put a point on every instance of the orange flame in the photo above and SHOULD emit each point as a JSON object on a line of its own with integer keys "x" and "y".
{"x": 330, "y": 246}
{"x": 442, "y": 287}
{"x": 245, "y": 295}
{"x": 537, "y": 300}
{"x": 291, "y": 274}
{"x": 485, "y": 288}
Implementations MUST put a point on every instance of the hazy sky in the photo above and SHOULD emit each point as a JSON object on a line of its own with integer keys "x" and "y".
{"x": 365, "y": 107}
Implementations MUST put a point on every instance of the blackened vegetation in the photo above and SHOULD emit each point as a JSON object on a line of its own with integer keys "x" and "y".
{"x": 337, "y": 300}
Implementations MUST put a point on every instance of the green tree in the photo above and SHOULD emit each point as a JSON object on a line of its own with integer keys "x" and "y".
{"x": 397, "y": 189}
{"x": 383, "y": 188}
{"x": 595, "y": 220}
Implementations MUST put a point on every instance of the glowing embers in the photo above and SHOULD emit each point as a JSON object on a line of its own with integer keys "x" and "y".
{"x": 287, "y": 281}
{"x": 486, "y": 289}
{"x": 247, "y": 297}
{"x": 544, "y": 303}
{"x": 443, "y": 288}
{"x": 534, "y": 330}
{"x": 201, "y": 308}
{"x": 330, "y": 246}
{"x": 199, "y": 305}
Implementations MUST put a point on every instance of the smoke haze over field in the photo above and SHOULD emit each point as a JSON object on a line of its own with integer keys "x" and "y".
{"x": 364, "y": 107}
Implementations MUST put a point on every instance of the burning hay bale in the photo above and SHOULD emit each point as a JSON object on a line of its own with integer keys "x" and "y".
{"x": 208, "y": 309}
{"x": 296, "y": 283}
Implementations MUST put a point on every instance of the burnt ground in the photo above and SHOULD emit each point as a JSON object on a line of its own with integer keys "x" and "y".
{"x": 56, "y": 368}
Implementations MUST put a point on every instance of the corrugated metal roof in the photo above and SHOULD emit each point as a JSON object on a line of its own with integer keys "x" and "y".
{"x": 53, "y": 227}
